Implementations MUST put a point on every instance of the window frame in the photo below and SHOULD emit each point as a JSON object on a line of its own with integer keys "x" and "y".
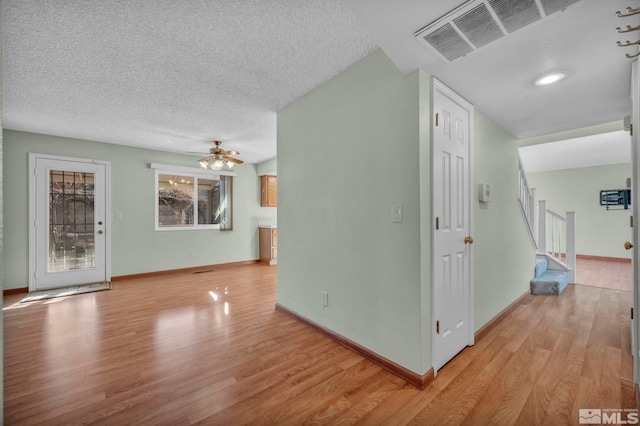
{"x": 195, "y": 174}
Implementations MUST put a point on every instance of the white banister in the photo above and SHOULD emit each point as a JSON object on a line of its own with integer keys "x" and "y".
{"x": 560, "y": 232}
{"x": 527, "y": 197}
{"x": 557, "y": 224}
{"x": 542, "y": 226}
{"x": 571, "y": 245}
{"x": 554, "y": 229}
{"x": 532, "y": 209}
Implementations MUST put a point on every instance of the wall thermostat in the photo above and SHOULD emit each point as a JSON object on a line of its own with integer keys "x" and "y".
{"x": 484, "y": 192}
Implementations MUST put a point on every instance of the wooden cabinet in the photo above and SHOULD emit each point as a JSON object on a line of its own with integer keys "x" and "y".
{"x": 268, "y": 191}
{"x": 268, "y": 245}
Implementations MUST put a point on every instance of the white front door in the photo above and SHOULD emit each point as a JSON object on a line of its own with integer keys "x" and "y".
{"x": 68, "y": 209}
{"x": 452, "y": 286}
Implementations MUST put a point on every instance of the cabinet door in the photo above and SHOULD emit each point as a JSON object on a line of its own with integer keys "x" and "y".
{"x": 269, "y": 191}
{"x": 274, "y": 244}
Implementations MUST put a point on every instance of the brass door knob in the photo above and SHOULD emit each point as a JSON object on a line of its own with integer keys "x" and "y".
{"x": 628, "y": 245}
{"x": 468, "y": 240}
{"x": 100, "y": 232}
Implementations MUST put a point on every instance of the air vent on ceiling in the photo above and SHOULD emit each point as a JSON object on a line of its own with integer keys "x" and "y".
{"x": 477, "y": 23}
{"x": 551, "y": 6}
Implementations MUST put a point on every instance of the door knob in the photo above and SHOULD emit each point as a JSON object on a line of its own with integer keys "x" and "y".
{"x": 468, "y": 240}
{"x": 100, "y": 232}
{"x": 628, "y": 245}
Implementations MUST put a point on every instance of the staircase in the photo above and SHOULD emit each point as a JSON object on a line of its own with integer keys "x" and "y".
{"x": 548, "y": 281}
{"x": 555, "y": 244}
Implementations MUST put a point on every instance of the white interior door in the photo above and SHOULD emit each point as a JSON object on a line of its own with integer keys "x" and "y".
{"x": 68, "y": 209}
{"x": 452, "y": 265}
{"x": 635, "y": 141}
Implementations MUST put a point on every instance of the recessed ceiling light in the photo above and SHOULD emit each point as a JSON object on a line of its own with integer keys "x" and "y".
{"x": 550, "y": 78}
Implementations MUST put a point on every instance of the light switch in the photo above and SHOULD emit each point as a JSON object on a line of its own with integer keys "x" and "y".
{"x": 118, "y": 215}
{"x": 396, "y": 213}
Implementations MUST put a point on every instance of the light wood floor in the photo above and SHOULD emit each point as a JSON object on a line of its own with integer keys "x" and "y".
{"x": 210, "y": 349}
{"x": 605, "y": 273}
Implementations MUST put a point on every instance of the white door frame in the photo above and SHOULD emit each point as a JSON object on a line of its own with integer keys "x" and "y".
{"x": 635, "y": 205}
{"x": 32, "y": 211}
{"x": 440, "y": 87}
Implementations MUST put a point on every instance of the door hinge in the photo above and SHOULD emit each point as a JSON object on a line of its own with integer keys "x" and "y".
{"x": 631, "y": 129}
{"x": 631, "y": 221}
{"x": 632, "y": 312}
{"x": 437, "y": 327}
{"x": 437, "y": 116}
{"x": 437, "y": 223}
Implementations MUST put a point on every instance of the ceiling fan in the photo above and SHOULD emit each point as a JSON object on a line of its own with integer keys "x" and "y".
{"x": 219, "y": 157}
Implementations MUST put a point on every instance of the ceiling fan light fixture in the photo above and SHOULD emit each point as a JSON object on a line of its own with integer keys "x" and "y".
{"x": 217, "y": 164}
{"x": 219, "y": 158}
{"x": 550, "y": 78}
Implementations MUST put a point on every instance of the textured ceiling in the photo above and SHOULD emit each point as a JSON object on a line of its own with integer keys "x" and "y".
{"x": 170, "y": 75}
{"x": 498, "y": 77}
{"x": 175, "y": 75}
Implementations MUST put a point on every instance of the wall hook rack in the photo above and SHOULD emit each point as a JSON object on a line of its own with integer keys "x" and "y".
{"x": 628, "y": 29}
{"x": 628, "y": 43}
{"x": 632, "y": 56}
{"x": 631, "y": 11}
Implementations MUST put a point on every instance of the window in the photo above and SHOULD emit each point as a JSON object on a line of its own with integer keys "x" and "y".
{"x": 187, "y": 201}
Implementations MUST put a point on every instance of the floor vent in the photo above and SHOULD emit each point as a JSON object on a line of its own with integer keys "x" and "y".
{"x": 477, "y": 23}
{"x": 203, "y": 272}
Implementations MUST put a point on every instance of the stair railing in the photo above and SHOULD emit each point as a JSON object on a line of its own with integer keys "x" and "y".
{"x": 560, "y": 232}
{"x": 527, "y": 199}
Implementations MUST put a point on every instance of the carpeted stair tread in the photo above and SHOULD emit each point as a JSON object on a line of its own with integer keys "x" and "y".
{"x": 550, "y": 282}
{"x": 541, "y": 265}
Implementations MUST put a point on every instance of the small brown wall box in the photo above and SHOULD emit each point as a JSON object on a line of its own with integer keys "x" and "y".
{"x": 269, "y": 191}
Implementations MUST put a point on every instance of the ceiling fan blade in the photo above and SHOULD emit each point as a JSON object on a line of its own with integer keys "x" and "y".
{"x": 233, "y": 160}
{"x": 232, "y": 152}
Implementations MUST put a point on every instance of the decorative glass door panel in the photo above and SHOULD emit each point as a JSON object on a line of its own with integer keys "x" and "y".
{"x": 71, "y": 220}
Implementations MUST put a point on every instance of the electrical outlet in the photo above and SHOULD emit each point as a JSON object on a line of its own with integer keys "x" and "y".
{"x": 192, "y": 253}
{"x": 325, "y": 299}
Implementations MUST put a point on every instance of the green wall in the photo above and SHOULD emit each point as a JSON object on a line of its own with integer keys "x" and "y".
{"x": 347, "y": 152}
{"x": 599, "y": 232}
{"x": 136, "y": 246}
{"x": 504, "y": 256}
{"x": 269, "y": 167}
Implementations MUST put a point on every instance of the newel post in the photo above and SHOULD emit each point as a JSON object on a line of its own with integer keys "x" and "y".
{"x": 571, "y": 245}
{"x": 542, "y": 226}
